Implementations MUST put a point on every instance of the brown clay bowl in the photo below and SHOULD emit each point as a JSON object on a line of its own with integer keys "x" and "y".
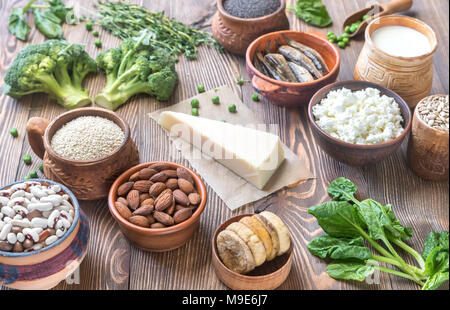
{"x": 158, "y": 239}
{"x": 235, "y": 34}
{"x": 292, "y": 94}
{"x": 87, "y": 179}
{"x": 356, "y": 154}
{"x": 268, "y": 276}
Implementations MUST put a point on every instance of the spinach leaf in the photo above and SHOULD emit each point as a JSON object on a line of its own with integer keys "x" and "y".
{"x": 437, "y": 267}
{"x": 313, "y": 12}
{"x": 48, "y": 24}
{"x": 17, "y": 24}
{"x": 435, "y": 239}
{"x": 342, "y": 189}
{"x": 338, "y": 219}
{"x": 350, "y": 270}
{"x": 435, "y": 281}
{"x": 395, "y": 228}
{"x": 339, "y": 248}
{"x": 64, "y": 13}
{"x": 373, "y": 215}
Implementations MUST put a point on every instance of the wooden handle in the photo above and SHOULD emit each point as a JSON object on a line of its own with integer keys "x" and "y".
{"x": 36, "y": 127}
{"x": 262, "y": 86}
{"x": 396, "y": 6}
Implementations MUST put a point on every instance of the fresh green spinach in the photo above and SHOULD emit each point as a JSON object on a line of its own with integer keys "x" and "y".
{"x": 17, "y": 23}
{"x": 350, "y": 270}
{"x": 339, "y": 248}
{"x": 313, "y": 12}
{"x": 48, "y": 24}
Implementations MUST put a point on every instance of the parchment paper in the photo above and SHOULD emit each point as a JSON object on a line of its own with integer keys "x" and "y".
{"x": 231, "y": 188}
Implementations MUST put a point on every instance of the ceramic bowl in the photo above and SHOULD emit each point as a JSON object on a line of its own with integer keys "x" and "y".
{"x": 268, "y": 276}
{"x": 160, "y": 239}
{"x": 87, "y": 179}
{"x": 45, "y": 268}
{"x": 235, "y": 34}
{"x": 356, "y": 154}
{"x": 292, "y": 94}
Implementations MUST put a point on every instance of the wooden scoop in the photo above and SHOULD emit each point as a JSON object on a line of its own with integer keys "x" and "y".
{"x": 374, "y": 11}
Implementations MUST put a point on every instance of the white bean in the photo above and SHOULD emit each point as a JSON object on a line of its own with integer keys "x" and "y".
{"x": 59, "y": 224}
{"x": 15, "y": 201}
{"x": 46, "y": 214}
{"x": 19, "y": 193}
{"x": 37, "y": 230}
{"x": 40, "y": 206}
{"x": 4, "y": 201}
{"x": 18, "y": 186}
{"x": 59, "y": 233}
{"x": 12, "y": 238}
{"x": 28, "y": 195}
{"x": 19, "y": 209}
{"x": 52, "y": 218}
{"x": 20, "y": 237}
{"x": 21, "y": 223}
{"x": 2, "y": 224}
{"x": 34, "y": 200}
{"x": 5, "y": 192}
{"x": 54, "y": 199}
{"x": 37, "y": 192}
{"x": 5, "y": 231}
{"x": 30, "y": 233}
{"x": 66, "y": 223}
{"x": 65, "y": 197}
{"x": 51, "y": 239}
{"x": 39, "y": 222}
{"x": 56, "y": 188}
{"x": 66, "y": 215}
{"x": 8, "y": 211}
{"x": 37, "y": 247}
{"x": 17, "y": 217}
{"x": 7, "y": 219}
{"x": 1, "y": 216}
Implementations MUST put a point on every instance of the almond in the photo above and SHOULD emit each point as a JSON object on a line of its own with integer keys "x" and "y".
{"x": 172, "y": 184}
{"x": 144, "y": 210}
{"x": 124, "y": 188}
{"x": 157, "y": 225}
{"x": 143, "y": 197}
{"x": 179, "y": 207}
{"x": 146, "y": 173}
{"x": 123, "y": 200}
{"x": 159, "y": 177}
{"x": 143, "y": 185}
{"x": 140, "y": 221}
{"x": 194, "y": 198}
{"x": 185, "y": 174}
{"x": 170, "y": 173}
{"x": 123, "y": 210}
{"x": 186, "y": 186}
{"x": 161, "y": 166}
{"x": 133, "y": 199}
{"x": 134, "y": 177}
{"x": 163, "y": 218}
{"x": 181, "y": 197}
{"x": 171, "y": 210}
{"x": 148, "y": 202}
{"x": 164, "y": 201}
{"x": 150, "y": 219}
{"x": 156, "y": 189}
{"x": 182, "y": 215}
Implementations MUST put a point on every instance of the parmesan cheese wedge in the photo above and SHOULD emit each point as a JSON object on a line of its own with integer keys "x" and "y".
{"x": 253, "y": 154}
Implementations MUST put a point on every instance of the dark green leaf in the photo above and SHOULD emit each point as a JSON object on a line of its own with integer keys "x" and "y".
{"x": 435, "y": 281}
{"x": 313, "y": 12}
{"x": 395, "y": 227}
{"x": 58, "y": 8}
{"x": 342, "y": 189}
{"x": 339, "y": 248}
{"x": 374, "y": 217}
{"x": 350, "y": 270}
{"x": 48, "y": 24}
{"x": 437, "y": 261}
{"x": 433, "y": 240}
{"x": 17, "y": 24}
{"x": 338, "y": 218}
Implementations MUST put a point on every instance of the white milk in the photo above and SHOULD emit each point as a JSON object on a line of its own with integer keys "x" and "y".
{"x": 401, "y": 41}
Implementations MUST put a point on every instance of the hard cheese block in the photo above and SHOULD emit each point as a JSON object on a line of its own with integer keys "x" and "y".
{"x": 253, "y": 154}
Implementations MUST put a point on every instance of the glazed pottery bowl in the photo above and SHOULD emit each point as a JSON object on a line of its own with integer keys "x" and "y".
{"x": 292, "y": 94}
{"x": 87, "y": 179}
{"x": 158, "y": 239}
{"x": 235, "y": 34}
{"x": 356, "y": 154}
{"x": 45, "y": 268}
{"x": 268, "y": 276}
{"x": 410, "y": 77}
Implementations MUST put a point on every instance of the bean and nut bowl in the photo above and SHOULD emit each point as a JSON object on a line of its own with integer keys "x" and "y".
{"x": 35, "y": 215}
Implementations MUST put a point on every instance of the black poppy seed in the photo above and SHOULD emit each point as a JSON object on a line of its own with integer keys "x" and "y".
{"x": 251, "y": 8}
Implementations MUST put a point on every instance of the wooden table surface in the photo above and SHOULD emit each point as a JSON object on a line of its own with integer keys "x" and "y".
{"x": 112, "y": 263}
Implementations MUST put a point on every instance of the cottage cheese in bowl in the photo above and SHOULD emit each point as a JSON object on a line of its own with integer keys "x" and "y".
{"x": 362, "y": 117}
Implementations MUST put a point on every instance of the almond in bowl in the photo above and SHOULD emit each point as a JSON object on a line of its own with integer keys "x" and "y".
{"x": 158, "y": 205}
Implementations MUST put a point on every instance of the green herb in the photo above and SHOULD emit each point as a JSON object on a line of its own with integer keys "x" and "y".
{"x": 16, "y": 21}
{"x": 33, "y": 174}
{"x": 48, "y": 24}
{"x": 95, "y": 33}
{"x": 64, "y": 13}
{"x": 201, "y": 88}
{"x": 194, "y": 111}
{"x": 41, "y": 167}
{"x": 27, "y": 159}
{"x": 89, "y": 26}
{"x": 313, "y": 12}
{"x": 126, "y": 20}
{"x": 98, "y": 43}
{"x": 14, "y": 132}
{"x": 195, "y": 103}
{"x": 215, "y": 99}
{"x": 232, "y": 108}
{"x": 255, "y": 97}
{"x": 348, "y": 222}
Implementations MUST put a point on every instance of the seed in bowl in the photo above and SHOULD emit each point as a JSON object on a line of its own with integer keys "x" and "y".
{"x": 33, "y": 215}
{"x": 87, "y": 138}
{"x": 158, "y": 196}
{"x": 434, "y": 111}
{"x": 361, "y": 117}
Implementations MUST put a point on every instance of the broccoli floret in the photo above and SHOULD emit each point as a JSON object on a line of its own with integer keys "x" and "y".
{"x": 55, "y": 67}
{"x": 136, "y": 67}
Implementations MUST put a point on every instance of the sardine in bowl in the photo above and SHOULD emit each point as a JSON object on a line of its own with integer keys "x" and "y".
{"x": 290, "y": 94}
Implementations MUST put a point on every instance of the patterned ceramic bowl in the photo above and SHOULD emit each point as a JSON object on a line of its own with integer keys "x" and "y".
{"x": 45, "y": 268}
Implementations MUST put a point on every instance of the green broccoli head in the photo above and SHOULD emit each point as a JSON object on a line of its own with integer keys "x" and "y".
{"x": 136, "y": 67}
{"x": 55, "y": 67}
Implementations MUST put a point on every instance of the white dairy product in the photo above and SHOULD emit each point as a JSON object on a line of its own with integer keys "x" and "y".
{"x": 253, "y": 154}
{"x": 401, "y": 41}
{"x": 361, "y": 117}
